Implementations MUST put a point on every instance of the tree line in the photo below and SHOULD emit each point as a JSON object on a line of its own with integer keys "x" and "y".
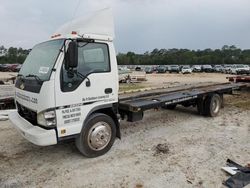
{"x": 12, "y": 55}
{"x": 225, "y": 55}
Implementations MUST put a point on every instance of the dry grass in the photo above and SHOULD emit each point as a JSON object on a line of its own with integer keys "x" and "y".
{"x": 130, "y": 87}
{"x": 241, "y": 101}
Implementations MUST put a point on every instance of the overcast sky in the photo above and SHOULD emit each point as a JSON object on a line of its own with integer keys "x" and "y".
{"x": 140, "y": 25}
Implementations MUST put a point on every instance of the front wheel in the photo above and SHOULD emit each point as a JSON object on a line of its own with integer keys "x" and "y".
{"x": 97, "y": 135}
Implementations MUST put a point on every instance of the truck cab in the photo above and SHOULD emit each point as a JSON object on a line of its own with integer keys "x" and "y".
{"x": 68, "y": 88}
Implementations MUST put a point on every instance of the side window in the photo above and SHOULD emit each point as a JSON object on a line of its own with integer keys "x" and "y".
{"x": 92, "y": 58}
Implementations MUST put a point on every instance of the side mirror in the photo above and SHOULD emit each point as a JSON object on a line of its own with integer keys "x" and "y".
{"x": 71, "y": 56}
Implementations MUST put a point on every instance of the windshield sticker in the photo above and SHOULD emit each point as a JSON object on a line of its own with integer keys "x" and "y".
{"x": 43, "y": 70}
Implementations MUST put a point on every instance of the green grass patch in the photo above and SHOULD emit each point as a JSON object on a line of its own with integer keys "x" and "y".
{"x": 241, "y": 104}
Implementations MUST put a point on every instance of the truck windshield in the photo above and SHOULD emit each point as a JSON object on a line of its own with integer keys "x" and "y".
{"x": 41, "y": 60}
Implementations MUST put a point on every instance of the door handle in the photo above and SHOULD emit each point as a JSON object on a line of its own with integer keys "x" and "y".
{"x": 108, "y": 90}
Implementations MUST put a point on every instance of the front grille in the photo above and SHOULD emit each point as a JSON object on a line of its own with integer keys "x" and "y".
{"x": 27, "y": 114}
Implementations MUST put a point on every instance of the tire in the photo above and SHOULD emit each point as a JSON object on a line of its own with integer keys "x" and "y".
{"x": 212, "y": 105}
{"x": 169, "y": 107}
{"x": 97, "y": 136}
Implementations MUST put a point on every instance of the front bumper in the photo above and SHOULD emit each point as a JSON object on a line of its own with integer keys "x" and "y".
{"x": 186, "y": 72}
{"x": 34, "y": 134}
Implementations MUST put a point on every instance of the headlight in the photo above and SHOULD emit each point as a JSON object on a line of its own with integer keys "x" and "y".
{"x": 47, "y": 119}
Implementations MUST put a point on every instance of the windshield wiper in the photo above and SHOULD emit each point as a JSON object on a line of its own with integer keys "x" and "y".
{"x": 72, "y": 72}
{"x": 38, "y": 79}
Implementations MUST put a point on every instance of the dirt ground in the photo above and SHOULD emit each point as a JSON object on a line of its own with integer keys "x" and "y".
{"x": 194, "y": 148}
{"x": 5, "y": 75}
{"x": 176, "y": 79}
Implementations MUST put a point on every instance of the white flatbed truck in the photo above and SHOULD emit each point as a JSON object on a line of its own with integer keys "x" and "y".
{"x": 68, "y": 86}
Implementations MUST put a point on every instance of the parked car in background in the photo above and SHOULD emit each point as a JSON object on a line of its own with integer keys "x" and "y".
{"x": 218, "y": 68}
{"x": 138, "y": 68}
{"x": 186, "y": 70}
{"x": 174, "y": 68}
{"x": 167, "y": 67}
{"x": 148, "y": 70}
{"x": 14, "y": 67}
{"x": 154, "y": 68}
{"x": 247, "y": 67}
{"x": 10, "y": 67}
{"x": 124, "y": 76}
{"x": 4, "y": 68}
{"x": 239, "y": 69}
{"x": 196, "y": 68}
{"x": 161, "y": 69}
{"x": 207, "y": 68}
{"x": 1, "y": 67}
{"x": 17, "y": 68}
{"x": 227, "y": 69}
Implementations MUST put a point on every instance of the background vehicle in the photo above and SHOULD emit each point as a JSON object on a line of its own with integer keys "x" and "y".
{"x": 161, "y": 69}
{"x": 196, "y": 68}
{"x": 227, "y": 69}
{"x": 148, "y": 70}
{"x": 10, "y": 67}
{"x": 17, "y": 68}
{"x": 174, "y": 68}
{"x": 4, "y": 67}
{"x": 242, "y": 69}
{"x": 207, "y": 68}
{"x": 186, "y": 70}
{"x": 124, "y": 75}
{"x": 239, "y": 69}
{"x": 247, "y": 67}
{"x": 1, "y": 67}
{"x": 138, "y": 68}
{"x": 14, "y": 67}
{"x": 218, "y": 68}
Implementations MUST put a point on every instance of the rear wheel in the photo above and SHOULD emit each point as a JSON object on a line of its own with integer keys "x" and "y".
{"x": 213, "y": 105}
{"x": 210, "y": 106}
{"x": 97, "y": 135}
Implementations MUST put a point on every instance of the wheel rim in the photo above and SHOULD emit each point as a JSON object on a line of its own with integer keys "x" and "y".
{"x": 215, "y": 105}
{"x": 99, "y": 136}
